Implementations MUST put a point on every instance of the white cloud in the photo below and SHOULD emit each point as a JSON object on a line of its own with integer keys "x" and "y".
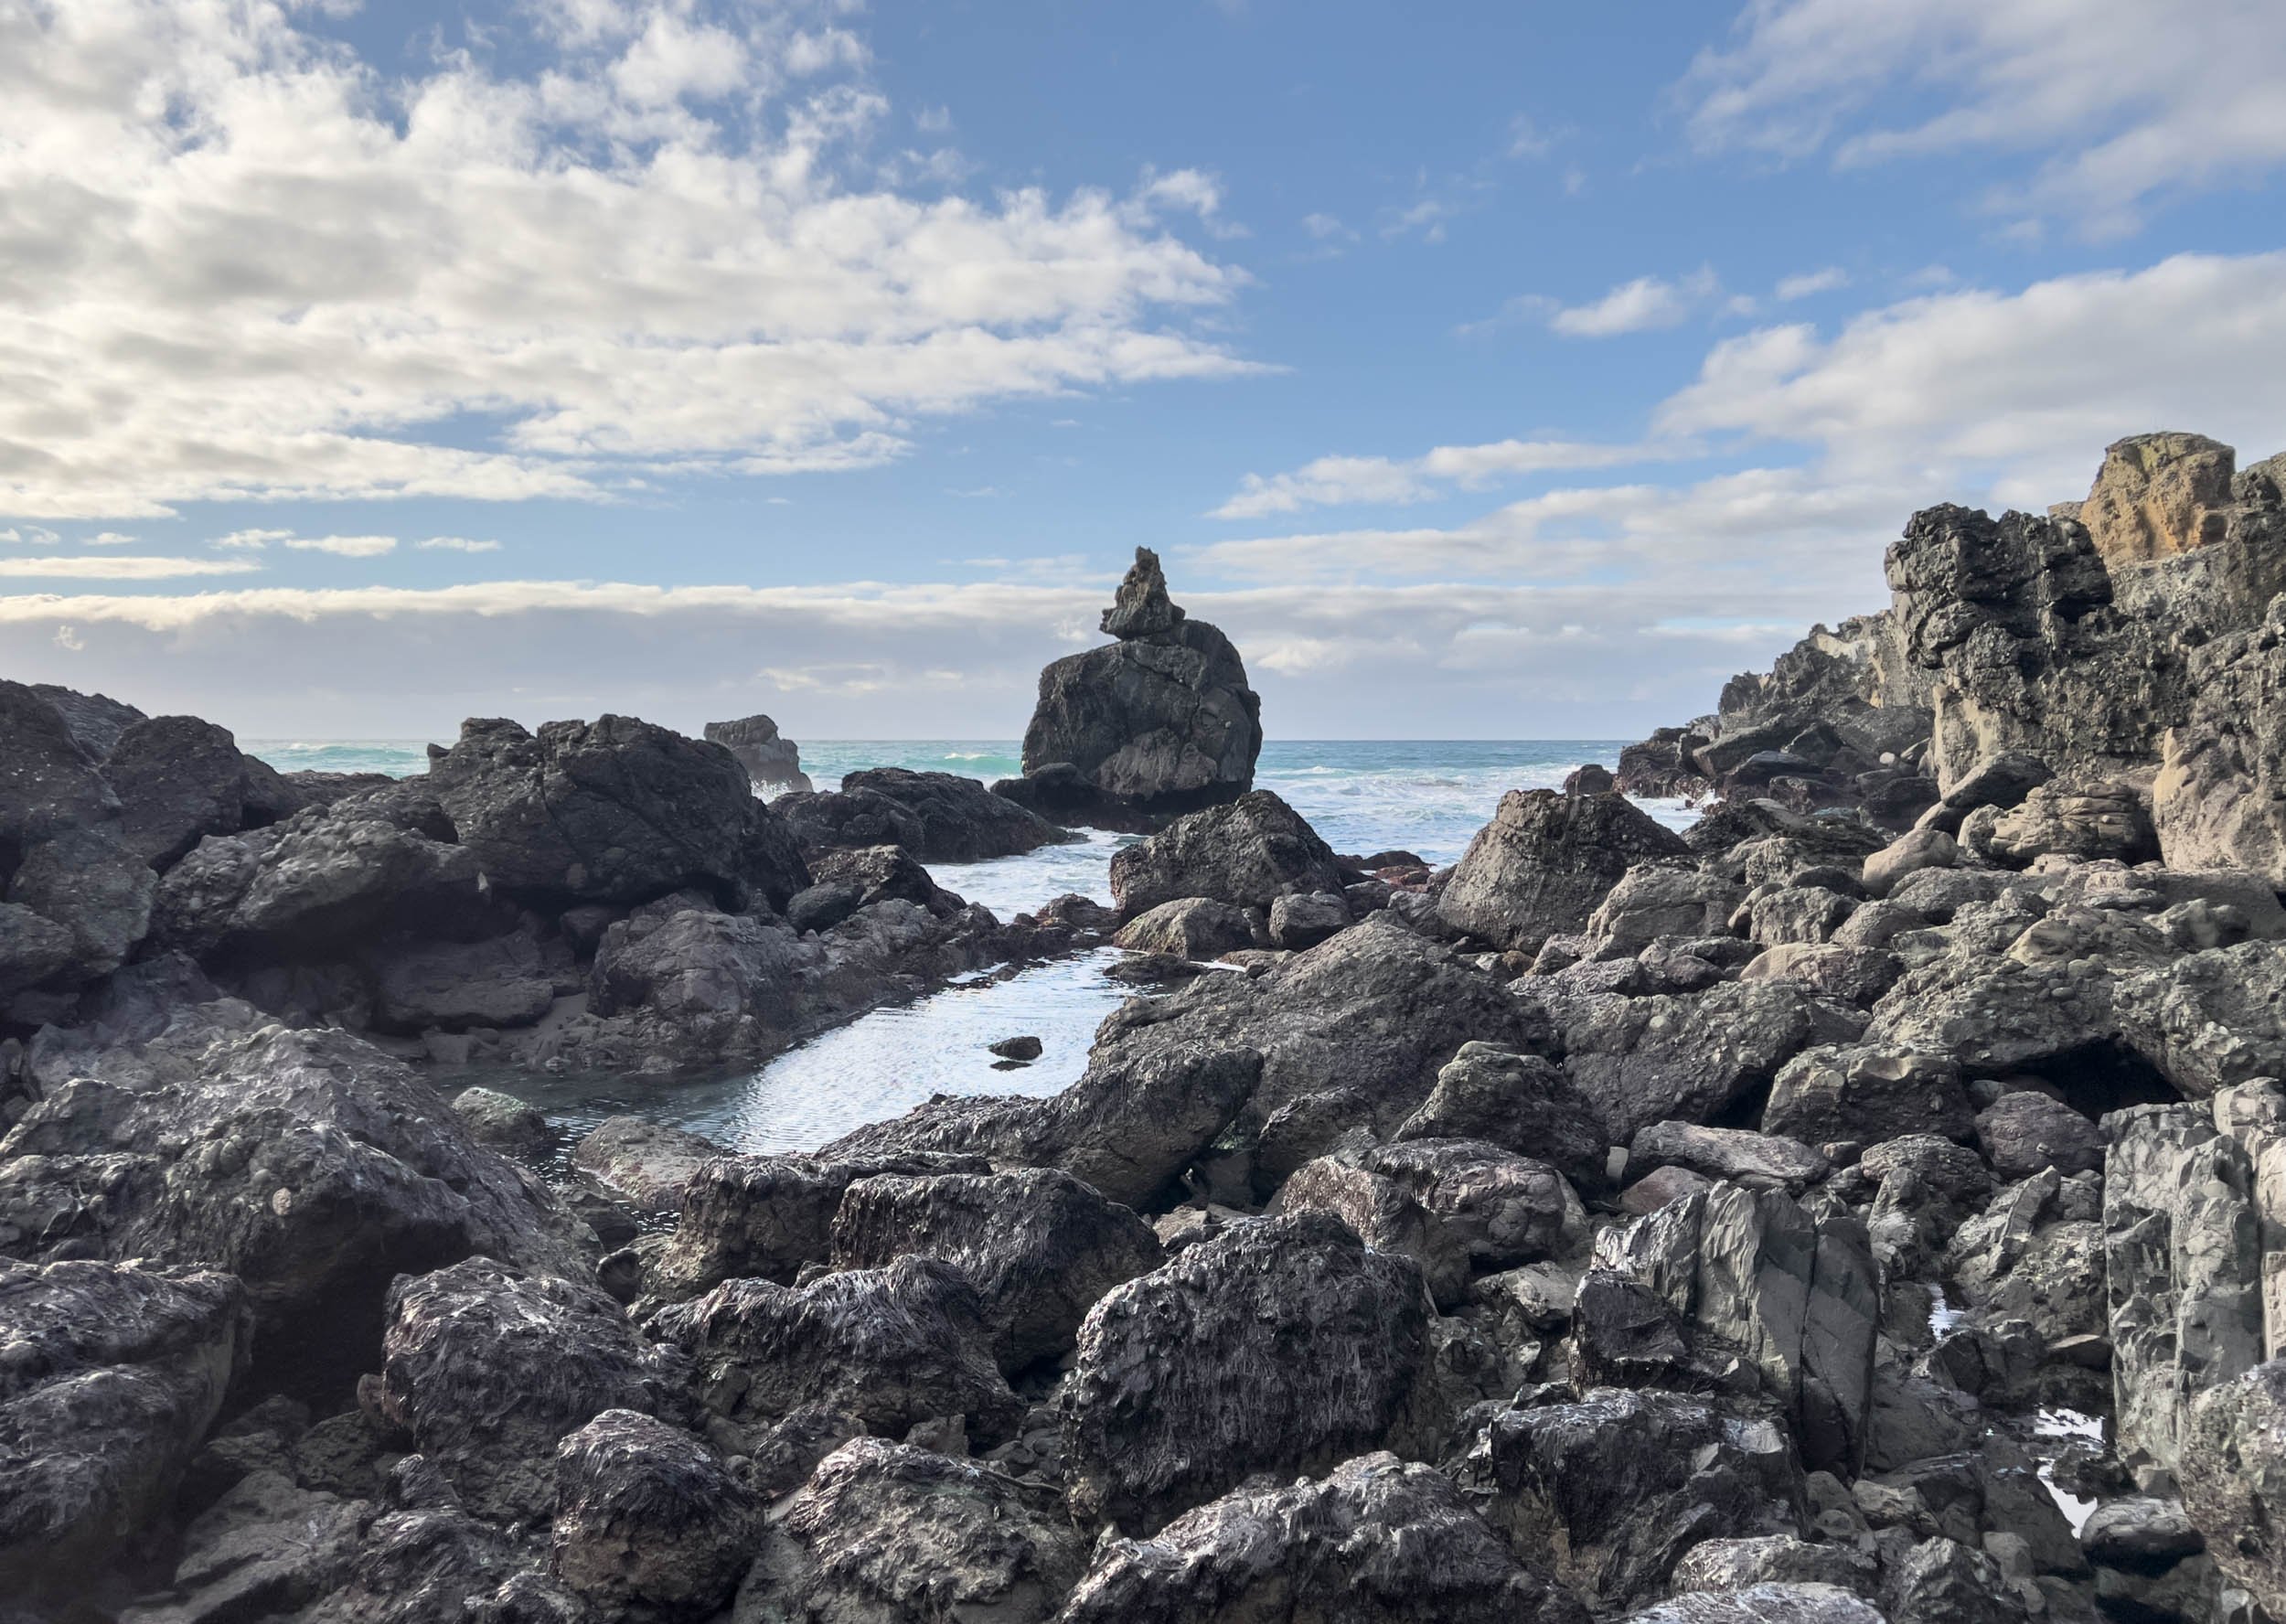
{"x": 456, "y": 544}
{"x": 107, "y": 539}
{"x": 239, "y": 264}
{"x": 1529, "y": 139}
{"x": 119, "y": 567}
{"x": 1644, "y": 305}
{"x": 2115, "y": 102}
{"x": 1809, "y": 284}
{"x": 1327, "y": 228}
{"x": 1336, "y": 480}
{"x": 353, "y": 547}
{"x": 68, "y": 637}
{"x": 249, "y": 541}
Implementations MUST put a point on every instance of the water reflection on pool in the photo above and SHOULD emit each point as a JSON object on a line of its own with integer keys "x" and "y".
{"x": 879, "y": 1067}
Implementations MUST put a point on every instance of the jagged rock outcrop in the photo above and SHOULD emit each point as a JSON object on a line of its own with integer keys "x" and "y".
{"x": 2219, "y": 800}
{"x": 1618, "y": 1484}
{"x": 1247, "y": 854}
{"x": 1521, "y": 1102}
{"x": 1040, "y": 1246}
{"x": 649, "y": 1524}
{"x": 771, "y": 762}
{"x": 484, "y": 1368}
{"x": 2156, "y": 497}
{"x": 886, "y": 1531}
{"x": 1159, "y": 721}
{"x": 1375, "y": 1541}
{"x": 2233, "y": 1468}
{"x": 307, "y": 1163}
{"x": 1283, "y": 1345}
{"x": 891, "y": 1347}
{"x": 616, "y": 810}
{"x": 1544, "y": 864}
{"x": 935, "y": 816}
{"x": 112, "y": 1374}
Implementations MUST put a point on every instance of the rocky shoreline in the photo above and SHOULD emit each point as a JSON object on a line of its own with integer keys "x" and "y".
{"x": 1712, "y": 1228}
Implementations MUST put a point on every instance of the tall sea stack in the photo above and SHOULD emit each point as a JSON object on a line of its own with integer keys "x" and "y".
{"x": 1157, "y": 723}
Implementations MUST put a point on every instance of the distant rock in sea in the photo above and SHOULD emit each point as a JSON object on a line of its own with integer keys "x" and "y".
{"x": 1158, "y": 723}
{"x": 772, "y": 762}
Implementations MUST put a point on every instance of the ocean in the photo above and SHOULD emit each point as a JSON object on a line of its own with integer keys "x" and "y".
{"x": 1428, "y": 797}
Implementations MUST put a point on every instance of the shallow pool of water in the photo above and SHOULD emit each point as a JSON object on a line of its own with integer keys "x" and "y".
{"x": 878, "y": 1067}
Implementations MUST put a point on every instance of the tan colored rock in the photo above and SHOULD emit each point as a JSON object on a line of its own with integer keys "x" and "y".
{"x": 2157, "y": 496}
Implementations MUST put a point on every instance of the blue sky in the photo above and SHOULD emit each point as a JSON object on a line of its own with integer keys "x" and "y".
{"x": 1515, "y": 371}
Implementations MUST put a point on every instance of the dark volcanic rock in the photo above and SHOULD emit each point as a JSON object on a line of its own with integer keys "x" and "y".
{"x": 1619, "y": 1484}
{"x": 1189, "y": 928}
{"x": 307, "y": 1163}
{"x": 766, "y": 1216}
{"x": 1867, "y": 1095}
{"x": 95, "y": 722}
{"x": 771, "y": 762}
{"x": 1772, "y": 1603}
{"x": 1521, "y": 1102}
{"x": 1376, "y": 1541}
{"x": 1457, "y": 1207}
{"x": 2028, "y": 1132}
{"x": 891, "y": 1347}
{"x": 2234, "y": 1479}
{"x": 1545, "y": 862}
{"x": 1247, "y": 854}
{"x": 935, "y": 816}
{"x": 885, "y": 1531}
{"x": 1160, "y": 722}
{"x": 1041, "y": 1247}
{"x": 178, "y": 779}
{"x": 1282, "y": 1345}
{"x": 453, "y": 986}
{"x": 649, "y": 1524}
{"x": 484, "y": 1368}
{"x": 1646, "y": 1060}
{"x": 2220, "y": 797}
{"x": 612, "y": 810}
{"x": 113, "y": 1374}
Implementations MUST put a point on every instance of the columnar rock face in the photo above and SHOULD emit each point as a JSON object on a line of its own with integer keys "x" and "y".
{"x": 2219, "y": 800}
{"x": 1545, "y": 862}
{"x": 772, "y": 761}
{"x": 1159, "y": 721}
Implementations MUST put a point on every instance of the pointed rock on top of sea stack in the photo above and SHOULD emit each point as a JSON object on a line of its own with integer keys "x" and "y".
{"x": 1142, "y": 608}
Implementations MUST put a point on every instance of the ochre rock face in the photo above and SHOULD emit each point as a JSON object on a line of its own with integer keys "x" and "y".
{"x": 2157, "y": 496}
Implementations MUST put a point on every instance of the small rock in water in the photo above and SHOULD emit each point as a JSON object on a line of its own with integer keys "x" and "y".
{"x": 1021, "y": 1049}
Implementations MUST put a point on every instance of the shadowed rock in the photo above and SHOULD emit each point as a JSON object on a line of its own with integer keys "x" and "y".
{"x": 649, "y": 1524}
{"x": 1544, "y": 864}
{"x": 1282, "y": 1345}
{"x": 1247, "y": 854}
{"x": 771, "y": 762}
{"x": 1040, "y": 1246}
{"x": 1376, "y": 1541}
{"x": 1521, "y": 1102}
{"x": 935, "y": 816}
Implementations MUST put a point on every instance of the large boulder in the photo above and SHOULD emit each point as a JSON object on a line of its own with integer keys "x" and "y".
{"x": 113, "y": 1372}
{"x": 1521, "y": 1102}
{"x": 307, "y": 1163}
{"x": 616, "y": 810}
{"x": 179, "y": 779}
{"x": 1282, "y": 1345}
{"x": 649, "y": 1524}
{"x": 1375, "y": 1541}
{"x": 1690, "y": 1058}
{"x": 1664, "y": 897}
{"x": 2157, "y": 496}
{"x": 1546, "y": 863}
{"x": 1457, "y": 1207}
{"x": 884, "y": 1531}
{"x": 1866, "y": 1095}
{"x": 1041, "y": 1247}
{"x": 771, "y": 762}
{"x": 1188, "y": 927}
{"x": 2209, "y": 1021}
{"x": 1618, "y": 1484}
{"x": 935, "y": 816}
{"x": 891, "y": 1347}
{"x": 1247, "y": 854}
{"x": 484, "y": 1370}
{"x": 1159, "y": 721}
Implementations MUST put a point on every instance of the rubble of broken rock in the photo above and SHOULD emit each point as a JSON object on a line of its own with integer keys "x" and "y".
{"x": 1809, "y": 1217}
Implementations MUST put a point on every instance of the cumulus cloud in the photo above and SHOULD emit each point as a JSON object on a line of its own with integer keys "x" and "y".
{"x": 1809, "y": 284}
{"x": 1334, "y": 481}
{"x": 1644, "y": 305}
{"x": 2114, "y": 102}
{"x": 241, "y": 263}
{"x": 351, "y": 547}
{"x": 456, "y": 544}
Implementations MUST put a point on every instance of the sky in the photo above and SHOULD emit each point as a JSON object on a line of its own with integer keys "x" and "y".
{"x": 1486, "y": 370}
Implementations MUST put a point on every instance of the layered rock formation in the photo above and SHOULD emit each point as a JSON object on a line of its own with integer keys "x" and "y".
{"x": 1160, "y": 722}
{"x": 771, "y": 762}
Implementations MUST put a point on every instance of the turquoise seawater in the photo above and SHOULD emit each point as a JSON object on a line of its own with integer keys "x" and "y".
{"x": 1428, "y": 797}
